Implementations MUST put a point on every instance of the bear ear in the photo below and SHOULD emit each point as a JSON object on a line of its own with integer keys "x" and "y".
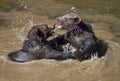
{"x": 73, "y": 10}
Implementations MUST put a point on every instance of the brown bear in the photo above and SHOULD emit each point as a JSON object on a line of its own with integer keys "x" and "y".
{"x": 35, "y": 46}
{"x": 80, "y": 35}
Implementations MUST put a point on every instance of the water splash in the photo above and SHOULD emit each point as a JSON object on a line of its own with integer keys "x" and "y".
{"x": 21, "y": 32}
{"x": 31, "y": 23}
{"x": 94, "y": 56}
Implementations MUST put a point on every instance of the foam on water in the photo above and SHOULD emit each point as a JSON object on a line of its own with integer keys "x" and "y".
{"x": 3, "y": 58}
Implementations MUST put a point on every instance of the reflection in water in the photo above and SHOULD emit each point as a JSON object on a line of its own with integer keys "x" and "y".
{"x": 104, "y": 16}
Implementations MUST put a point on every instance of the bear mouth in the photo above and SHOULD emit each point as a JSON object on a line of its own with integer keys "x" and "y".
{"x": 60, "y": 26}
{"x": 63, "y": 27}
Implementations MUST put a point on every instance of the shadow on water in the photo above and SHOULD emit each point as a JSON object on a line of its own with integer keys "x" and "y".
{"x": 104, "y": 15}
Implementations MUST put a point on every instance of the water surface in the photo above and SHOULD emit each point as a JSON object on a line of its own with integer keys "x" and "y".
{"x": 104, "y": 15}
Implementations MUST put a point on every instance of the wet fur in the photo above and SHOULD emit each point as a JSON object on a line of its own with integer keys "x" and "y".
{"x": 35, "y": 47}
{"x": 87, "y": 44}
{"x": 82, "y": 37}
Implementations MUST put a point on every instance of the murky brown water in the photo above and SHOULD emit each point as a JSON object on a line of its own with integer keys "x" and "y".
{"x": 103, "y": 15}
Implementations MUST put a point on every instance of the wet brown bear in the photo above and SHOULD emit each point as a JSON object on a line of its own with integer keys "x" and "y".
{"x": 80, "y": 35}
{"x": 35, "y": 46}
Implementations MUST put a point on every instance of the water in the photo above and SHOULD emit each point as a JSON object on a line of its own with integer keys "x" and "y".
{"x": 104, "y": 15}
